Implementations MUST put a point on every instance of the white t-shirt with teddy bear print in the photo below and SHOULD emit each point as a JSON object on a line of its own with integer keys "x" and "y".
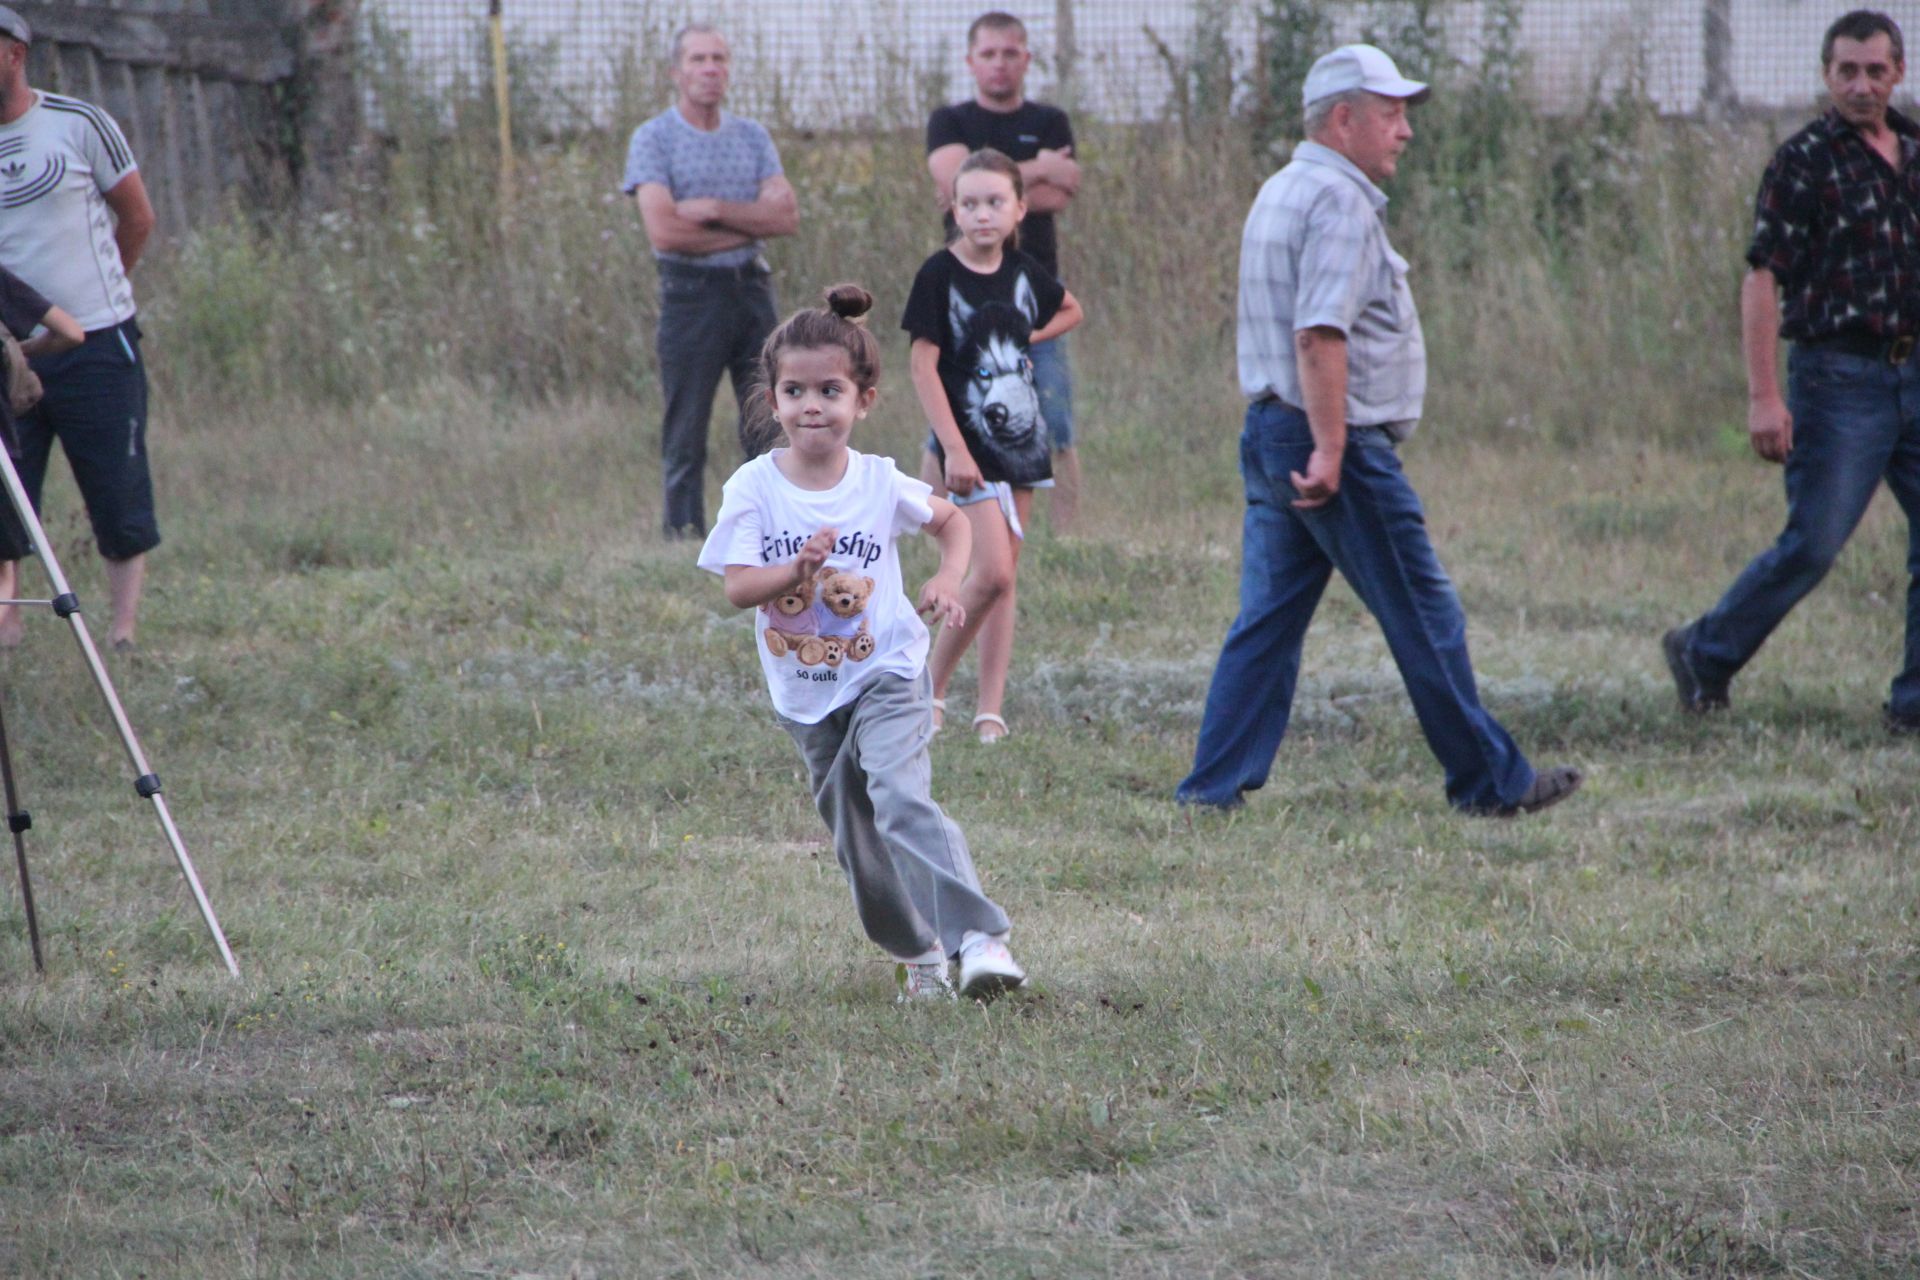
{"x": 820, "y": 644}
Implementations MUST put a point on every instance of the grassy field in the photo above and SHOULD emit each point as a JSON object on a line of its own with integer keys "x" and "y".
{"x": 549, "y": 972}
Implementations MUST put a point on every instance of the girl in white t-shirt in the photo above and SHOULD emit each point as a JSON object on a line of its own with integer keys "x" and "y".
{"x": 806, "y": 537}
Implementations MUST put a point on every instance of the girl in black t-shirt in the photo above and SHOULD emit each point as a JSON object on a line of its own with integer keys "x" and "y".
{"x": 976, "y": 308}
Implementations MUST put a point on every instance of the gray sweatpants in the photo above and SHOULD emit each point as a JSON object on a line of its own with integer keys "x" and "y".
{"x": 913, "y": 880}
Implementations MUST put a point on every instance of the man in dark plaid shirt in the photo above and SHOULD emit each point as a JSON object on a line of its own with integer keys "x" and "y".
{"x": 1835, "y": 265}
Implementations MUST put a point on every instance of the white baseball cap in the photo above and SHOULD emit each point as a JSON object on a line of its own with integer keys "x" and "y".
{"x": 12, "y": 24}
{"x": 1359, "y": 66}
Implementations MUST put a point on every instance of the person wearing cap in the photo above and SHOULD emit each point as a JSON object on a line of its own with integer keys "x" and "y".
{"x": 74, "y": 219}
{"x": 1334, "y": 367}
{"x": 1837, "y": 239}
{"x": 710, "y": 189}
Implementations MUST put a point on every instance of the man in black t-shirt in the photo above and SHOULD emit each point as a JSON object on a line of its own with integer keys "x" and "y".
{"x": 1040, "y": 138}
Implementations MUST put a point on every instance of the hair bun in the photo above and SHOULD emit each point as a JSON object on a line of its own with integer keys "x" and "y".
{"x": 849, "y": 302}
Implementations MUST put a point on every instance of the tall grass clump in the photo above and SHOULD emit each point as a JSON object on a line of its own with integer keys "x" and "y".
{"x": 1559, "y": 261}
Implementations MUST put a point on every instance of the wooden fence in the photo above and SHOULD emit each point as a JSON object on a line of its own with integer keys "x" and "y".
{"x": 225, "y": 102}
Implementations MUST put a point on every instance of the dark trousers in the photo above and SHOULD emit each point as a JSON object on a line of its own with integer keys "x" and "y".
{"x": 1856, "y": 422}
{"x": 1374, "y": 533}
{"x": 712, "y": 321}
{"x": 95, "y": 405}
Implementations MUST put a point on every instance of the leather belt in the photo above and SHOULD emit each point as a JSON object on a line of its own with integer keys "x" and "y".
{"x": 1892, "y": 350}
{"x": 694, "y": 271}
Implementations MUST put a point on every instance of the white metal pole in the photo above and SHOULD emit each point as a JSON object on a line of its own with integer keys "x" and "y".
{"x": 146, "y": 782}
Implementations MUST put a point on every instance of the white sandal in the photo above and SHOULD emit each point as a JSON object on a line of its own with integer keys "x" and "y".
{"x": 987, "y": 717}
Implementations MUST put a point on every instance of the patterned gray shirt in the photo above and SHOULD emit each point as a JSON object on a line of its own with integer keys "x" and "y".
{"x": 1314, "y": 252}
{"x": 729, "y": 163}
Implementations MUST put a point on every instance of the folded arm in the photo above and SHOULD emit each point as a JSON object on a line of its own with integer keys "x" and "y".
{"x": 943, "y": 163}
{"x": 1051, "y": 180}
{"x": 671, "y": 232}
{"x": 775, "y": 211}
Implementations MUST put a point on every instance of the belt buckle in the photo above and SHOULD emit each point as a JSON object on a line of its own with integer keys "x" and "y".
{"x": 1901, "y": 349}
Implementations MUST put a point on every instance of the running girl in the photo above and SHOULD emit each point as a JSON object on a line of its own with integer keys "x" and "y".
{"x": 807, "y": 535}
{"x": 976, "y": 307}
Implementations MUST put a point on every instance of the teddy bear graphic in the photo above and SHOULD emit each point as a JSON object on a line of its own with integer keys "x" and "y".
{"x": 841, "y": 614}
{"x": 793, "y": 626}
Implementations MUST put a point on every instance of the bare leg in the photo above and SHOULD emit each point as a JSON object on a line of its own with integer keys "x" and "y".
{"x": 1066, "y": 489}
{"x": 996, "y": 632}
{"x": 13, "y": 627}
{"x": 125, "y": 578}
{"x": 932, "y": 473}
{"x": 989, "y": 579}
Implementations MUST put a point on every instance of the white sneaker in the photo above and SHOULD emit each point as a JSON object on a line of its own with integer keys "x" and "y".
{"x": 920, "y": 982}
{"x": 988, "y": 969}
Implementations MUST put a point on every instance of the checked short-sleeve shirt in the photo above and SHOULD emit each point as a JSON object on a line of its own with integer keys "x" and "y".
{"x": 1314, "y": 253}
{"x": 1840, "y": 231}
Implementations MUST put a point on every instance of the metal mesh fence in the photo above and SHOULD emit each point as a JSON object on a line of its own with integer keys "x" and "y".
{"x": 865, "y": 63}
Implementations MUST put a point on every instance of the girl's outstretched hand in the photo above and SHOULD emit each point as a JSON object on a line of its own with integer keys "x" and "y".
{"x": 814, "y": 554}
{"x": 940, "y": 601}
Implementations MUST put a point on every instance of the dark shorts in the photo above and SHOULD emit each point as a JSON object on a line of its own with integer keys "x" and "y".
{"x": 96, "y": 407}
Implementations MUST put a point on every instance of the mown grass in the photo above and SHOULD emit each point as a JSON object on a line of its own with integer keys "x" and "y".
{"x": 548, "y": 970}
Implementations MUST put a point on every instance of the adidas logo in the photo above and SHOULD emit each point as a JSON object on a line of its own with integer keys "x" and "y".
{"x": 14, "y": 170}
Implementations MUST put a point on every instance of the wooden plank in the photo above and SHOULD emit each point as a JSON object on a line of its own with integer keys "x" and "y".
{"x": 94, "y": 83}
{"x": 181, "y": 176}
{"x": 133, "y": 121}
{"x": 251, "y": 52}
{"x": 47, "y": 68}
{"x": 203, "y": 130}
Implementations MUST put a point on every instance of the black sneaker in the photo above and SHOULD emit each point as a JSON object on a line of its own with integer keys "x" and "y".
{"x": 1696, "y": 696}
{"x": 1900, "y": 726}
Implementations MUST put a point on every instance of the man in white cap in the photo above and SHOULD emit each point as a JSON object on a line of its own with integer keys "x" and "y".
{"x": 1335, "y": 369}
{"x": 74, "y": 219}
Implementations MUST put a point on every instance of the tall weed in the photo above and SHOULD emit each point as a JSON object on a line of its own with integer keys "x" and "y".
{"x": 1576, "y": 274}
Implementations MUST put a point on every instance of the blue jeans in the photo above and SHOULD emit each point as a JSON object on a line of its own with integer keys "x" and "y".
{"x": 1375, "y": 534}
{"x": 1855, "y": 420}
{"x": 1053, "y": 382}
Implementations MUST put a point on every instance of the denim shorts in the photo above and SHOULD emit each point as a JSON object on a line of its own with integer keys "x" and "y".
{"x": 1001, "y": 492}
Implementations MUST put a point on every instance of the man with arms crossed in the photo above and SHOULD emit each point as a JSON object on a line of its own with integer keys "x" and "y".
{"x": 1837, "y": 236}
{"x": 1039, "y": 138}
{"x": 74, "y": 217}
{"x": 710, "y": 189}
{"x": 1332, "y": 358}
